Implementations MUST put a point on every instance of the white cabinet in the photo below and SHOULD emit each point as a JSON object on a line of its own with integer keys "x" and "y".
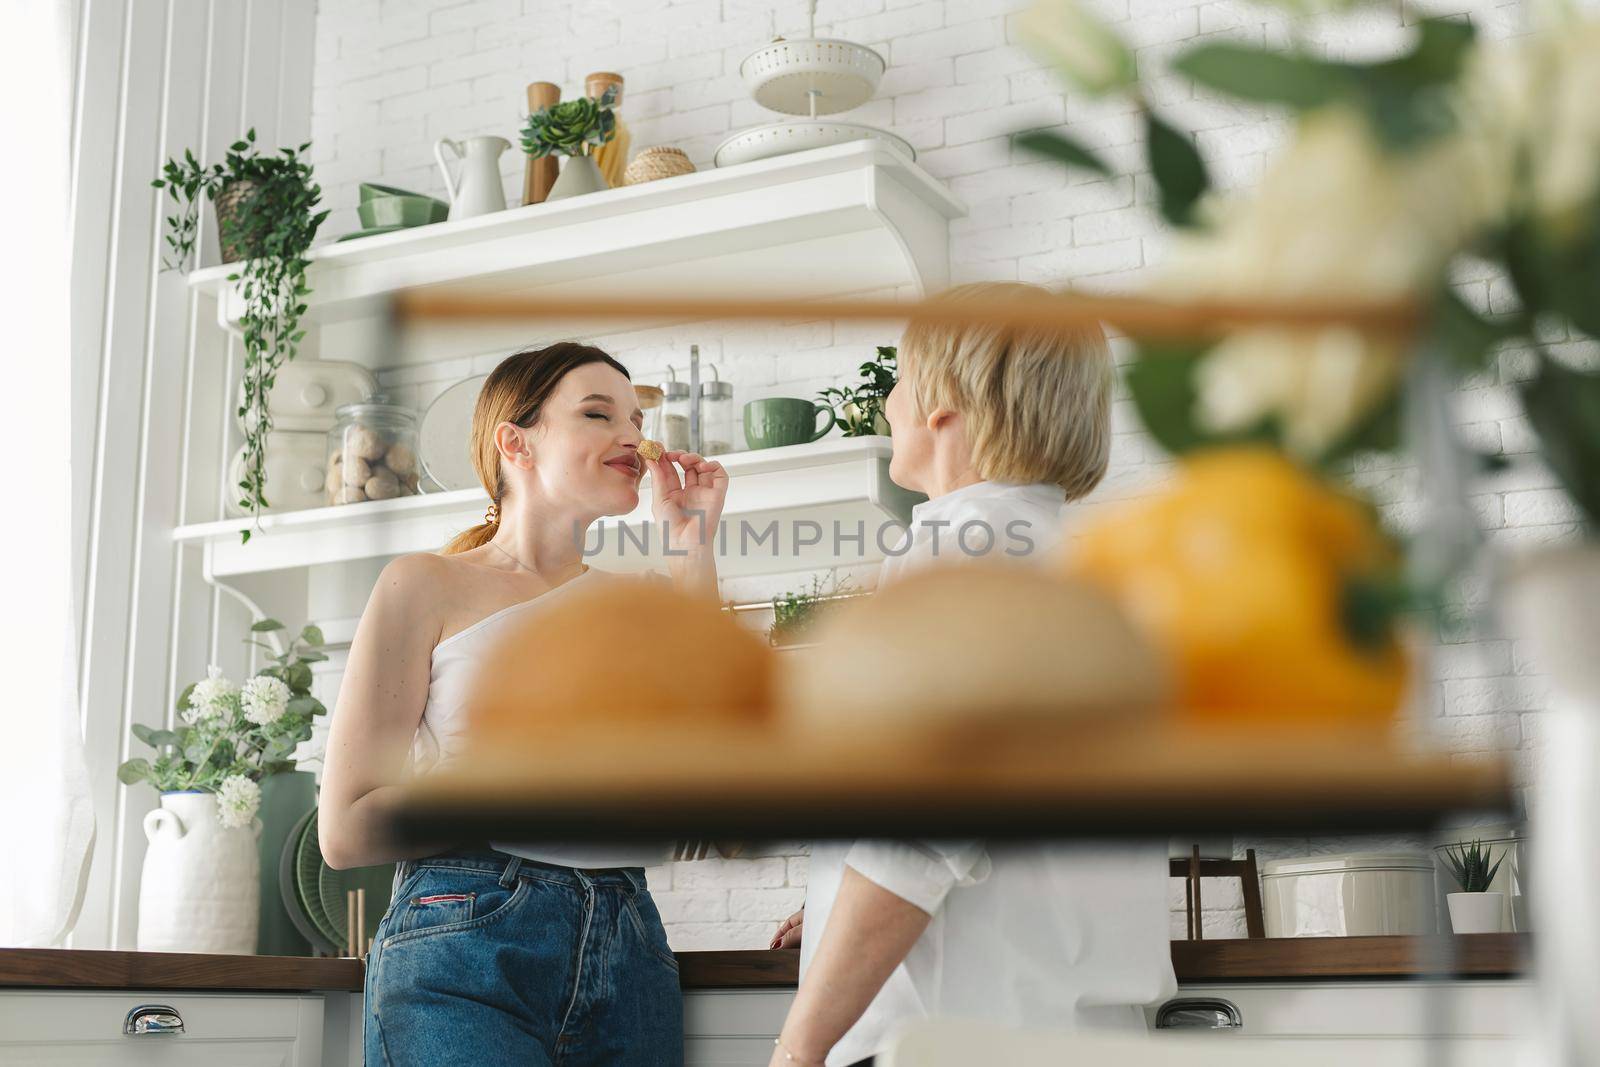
{"x": 732, "y": 1027}
{"x": 220, "y": 1030}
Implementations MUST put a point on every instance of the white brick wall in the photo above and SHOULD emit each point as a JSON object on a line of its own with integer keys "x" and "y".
{"x": 392, "y": 76}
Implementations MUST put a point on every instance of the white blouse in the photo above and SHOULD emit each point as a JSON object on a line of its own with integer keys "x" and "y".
{"x": 1044, "y": 935}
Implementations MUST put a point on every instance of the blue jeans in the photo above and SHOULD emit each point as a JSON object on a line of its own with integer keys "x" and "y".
{"x": 491, "y": 959}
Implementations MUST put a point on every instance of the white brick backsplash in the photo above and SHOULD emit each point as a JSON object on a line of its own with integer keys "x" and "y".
{"x": 765, "y": 905}
{"x": 390, "y": 76}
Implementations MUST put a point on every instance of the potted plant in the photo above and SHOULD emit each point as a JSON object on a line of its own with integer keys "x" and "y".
{"x": 572, "y": 128}
{"x": 1474, "y": 910}
{"x": 860, "y": 407}
{"x": 200, "y": 888}
{"x": 266, "y": 220}
{"x": 795, "y": 614}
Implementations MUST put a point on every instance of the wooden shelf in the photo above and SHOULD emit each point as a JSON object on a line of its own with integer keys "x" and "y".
{"x": 840, "y": 479}
{"x": 849, "y": 218}
{"x": 1154, "y": 779}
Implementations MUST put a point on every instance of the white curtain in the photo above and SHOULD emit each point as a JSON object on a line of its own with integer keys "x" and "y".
{"x": 46, "y": 813}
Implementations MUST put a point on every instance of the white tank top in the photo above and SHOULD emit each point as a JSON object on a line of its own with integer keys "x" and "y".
{"x": 441, "y": 734}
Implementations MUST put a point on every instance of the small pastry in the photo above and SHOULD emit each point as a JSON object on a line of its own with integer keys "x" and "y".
{"x": 365, "y": 442}
{"x": 650, "y": 450}
{"x": 356, "y": 471}
{"x": 401, "y": 458}
{"x": 382, "y": 485}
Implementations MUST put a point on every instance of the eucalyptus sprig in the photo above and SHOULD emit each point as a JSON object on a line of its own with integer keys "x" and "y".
{"x": 274, "y": 226}
{"x": 235, "y": 732}
{"x": 571, "y": 127}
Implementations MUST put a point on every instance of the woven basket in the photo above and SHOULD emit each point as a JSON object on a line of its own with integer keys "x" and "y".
{"x": 228, "y": 201}
{"x": 653, "y": 163}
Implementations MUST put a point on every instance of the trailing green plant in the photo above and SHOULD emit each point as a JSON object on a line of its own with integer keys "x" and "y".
{"x": 230, "y": 737}
{"x": 794, "y": 614}
{"x": 272, "y": 225}
{"x": 1470, "y": 866}
{"x": 571, "y": 127}
{"x": 860, "y": 407}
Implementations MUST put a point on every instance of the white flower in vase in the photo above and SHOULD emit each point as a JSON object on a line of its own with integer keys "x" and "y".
{"x": 264, "y": 699}
{"x": 238, "y": 798}
{"x": 211, "y": 698}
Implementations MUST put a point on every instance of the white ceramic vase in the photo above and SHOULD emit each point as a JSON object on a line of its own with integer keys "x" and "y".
{"x": 201, "y": 886}
{"x": 1476, "y": 913}
{"x": 1549, "y": 600}
{"x": 579, "y": 175}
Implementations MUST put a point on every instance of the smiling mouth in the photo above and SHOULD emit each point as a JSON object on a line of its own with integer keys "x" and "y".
{"x": 625, "y": 466}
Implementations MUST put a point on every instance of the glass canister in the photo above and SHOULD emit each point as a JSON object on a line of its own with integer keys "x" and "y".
{"x": 716, "y": 416}
{"x": 372, "y": 452}
{"x": 675, "y": 414}
{"x": 650, "y": 399}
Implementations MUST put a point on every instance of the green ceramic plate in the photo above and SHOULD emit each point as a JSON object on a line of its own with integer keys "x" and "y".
{"x": 377, "y": 881}
{"x": 308, "y": 869}
{"x": 290, "y": 891}
{"x": 402, "y": 211}
{"x": 372, "y": 190}
{"x": 371, "y": 232}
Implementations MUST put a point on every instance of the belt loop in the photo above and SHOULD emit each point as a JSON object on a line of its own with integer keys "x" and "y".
{"x": 510, "y": 874}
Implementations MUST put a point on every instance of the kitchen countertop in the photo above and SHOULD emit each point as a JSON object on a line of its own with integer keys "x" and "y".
{"x": 1233, "y": 960}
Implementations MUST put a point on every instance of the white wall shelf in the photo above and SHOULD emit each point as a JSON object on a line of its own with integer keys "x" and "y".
{"x": 808, "y": 491}
{"x": 845, "y": 219}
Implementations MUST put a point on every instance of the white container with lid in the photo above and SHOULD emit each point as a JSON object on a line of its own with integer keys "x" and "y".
{"x": 1350, "y": 894}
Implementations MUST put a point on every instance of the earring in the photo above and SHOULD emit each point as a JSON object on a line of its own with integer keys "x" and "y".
{"x": 491, "y": 515}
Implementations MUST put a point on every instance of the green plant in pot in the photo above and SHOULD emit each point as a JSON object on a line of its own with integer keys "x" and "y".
{"x": 795, "y": 614}
{"x": 1474, "y": 910}
{"x": 860, "y": 407}
{"x": 202, "y": 888}
{"x": 266, "y": 219}
{"x": 572, "y": 128}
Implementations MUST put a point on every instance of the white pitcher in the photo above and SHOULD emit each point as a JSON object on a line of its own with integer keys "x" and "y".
{"x": 479, "y": 190}
{"x": 200, "y": 890}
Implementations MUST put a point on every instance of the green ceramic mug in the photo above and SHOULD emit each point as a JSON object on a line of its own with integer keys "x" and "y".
{"x": 781, "y": 420}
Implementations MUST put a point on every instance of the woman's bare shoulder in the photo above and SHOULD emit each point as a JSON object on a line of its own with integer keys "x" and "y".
{"x": 415, "y": 580}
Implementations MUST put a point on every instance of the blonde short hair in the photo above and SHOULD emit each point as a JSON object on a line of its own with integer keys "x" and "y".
{"x": 1036, "y": 402}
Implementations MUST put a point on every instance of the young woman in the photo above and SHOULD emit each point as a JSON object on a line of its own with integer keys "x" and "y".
{"x": 1000, "y": 427}
{"x": 498, "y": 953}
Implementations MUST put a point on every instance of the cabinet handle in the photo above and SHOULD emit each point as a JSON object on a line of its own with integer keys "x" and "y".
{"x": 1199, "y": 1013}
{"x": 150, "y": 1019}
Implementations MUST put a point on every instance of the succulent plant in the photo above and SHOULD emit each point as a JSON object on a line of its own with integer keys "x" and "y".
{"x": 571, "y": 127}
{"x": 1470, "y": 866}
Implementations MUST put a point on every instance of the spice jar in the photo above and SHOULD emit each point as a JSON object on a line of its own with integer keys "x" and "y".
{"x": 675, "y": 414}
{"x": 372, "y": 453}
{"x": 716, "y": 416}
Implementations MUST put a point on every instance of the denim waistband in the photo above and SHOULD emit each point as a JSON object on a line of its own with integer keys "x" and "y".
{"x": 507, "y": 868}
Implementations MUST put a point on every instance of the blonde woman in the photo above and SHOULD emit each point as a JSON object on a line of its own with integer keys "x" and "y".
{"x": 999, "y": 427}
{"x": 496, "y": 953}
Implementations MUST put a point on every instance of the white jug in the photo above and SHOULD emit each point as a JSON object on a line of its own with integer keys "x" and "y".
{"x": 479, "y": 190}
{"x": 200, "y": 890}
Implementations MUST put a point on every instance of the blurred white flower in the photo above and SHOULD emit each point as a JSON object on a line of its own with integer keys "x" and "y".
{"x": 1318, "y": 383}
{"x": 1336, "y": 219}
{"x": 1077, "y": 44}
{"x": 1560, "y": 103}
{"x": 264, "y": 699}
{"x": 238, "y": 798}
{"x": 211, "y": 698}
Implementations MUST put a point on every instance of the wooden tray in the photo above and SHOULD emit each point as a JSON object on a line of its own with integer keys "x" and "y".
{"x": 1156, "y": 778}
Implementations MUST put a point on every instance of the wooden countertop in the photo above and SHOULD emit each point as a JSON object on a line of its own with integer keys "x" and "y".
{"x": 1270, "y": 959}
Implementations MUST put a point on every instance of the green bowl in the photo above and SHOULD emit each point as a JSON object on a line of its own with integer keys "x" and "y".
{"x": 402, "y": 211}
{"x": 371, "y": 191}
